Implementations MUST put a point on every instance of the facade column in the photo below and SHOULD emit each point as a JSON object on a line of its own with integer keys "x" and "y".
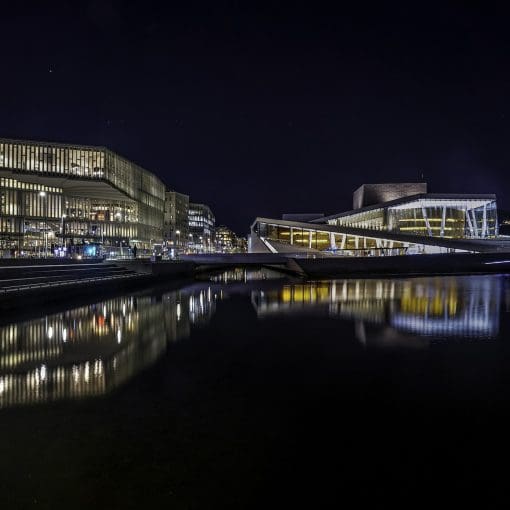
{"x": 443, "y": 221}
{"x": 332, "y": 242}
{"x": 344, "y": 238}
{"x": 426, "y": 218}
{"x": 470, "y": 225}
{"x": 475, "y": 226}
{"x": 484, "y": 222}
{"x": 310, "y": 239}
{"x": 291, "y": 235}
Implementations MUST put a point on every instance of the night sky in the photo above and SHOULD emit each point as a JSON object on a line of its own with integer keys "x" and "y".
{"x": 260, "y": 111}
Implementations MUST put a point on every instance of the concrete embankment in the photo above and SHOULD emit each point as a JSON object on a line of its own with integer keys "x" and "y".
{"x": 453, "y": 263}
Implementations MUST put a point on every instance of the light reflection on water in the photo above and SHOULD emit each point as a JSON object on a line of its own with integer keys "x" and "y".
{"x": 91, "y": 350}
{"x": 426, "y": 307}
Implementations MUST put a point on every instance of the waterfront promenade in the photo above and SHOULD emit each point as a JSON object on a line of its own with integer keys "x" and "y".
{"x": 26, "y": 280}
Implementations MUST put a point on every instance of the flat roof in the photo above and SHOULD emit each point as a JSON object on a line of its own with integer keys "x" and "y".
{"x": 410, "y": 198}
{"x": 79, "y": 146}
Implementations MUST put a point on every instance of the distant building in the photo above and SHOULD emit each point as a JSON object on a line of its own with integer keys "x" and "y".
{"x": 201, "y": 222}
{"x": 226, "y": 241}
{"x": 176, "y": 224}
{"x": 241, "y": 244}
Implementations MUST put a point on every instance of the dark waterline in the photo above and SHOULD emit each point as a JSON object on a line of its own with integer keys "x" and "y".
{"x": 227, "y": 391}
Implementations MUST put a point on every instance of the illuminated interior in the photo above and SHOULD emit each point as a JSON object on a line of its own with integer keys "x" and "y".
{"x": 61, "y": 195}
{"x": 453, "y": 218}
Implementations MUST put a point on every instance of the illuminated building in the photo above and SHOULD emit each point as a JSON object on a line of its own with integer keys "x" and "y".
{"x": 242, "y": 244}
{"x": 201, "y": 223}
{"x": 404, "y": 223}
{"x": 226, "y": 241}
{"x": 68, "y": 195}
{"x": 176, "y": 226}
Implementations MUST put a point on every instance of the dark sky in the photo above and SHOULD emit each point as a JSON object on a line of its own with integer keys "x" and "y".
{"x": 264, "y": 110}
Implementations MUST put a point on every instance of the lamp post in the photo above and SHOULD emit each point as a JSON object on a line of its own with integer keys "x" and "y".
{"x": 62, "y": 231}
{"x": 42, "y": 194}
{"x": 178, "y": 234}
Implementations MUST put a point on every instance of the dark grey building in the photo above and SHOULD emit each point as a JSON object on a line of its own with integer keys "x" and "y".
{"x": 370, "y": 194}
{"x": 176, "y": 225}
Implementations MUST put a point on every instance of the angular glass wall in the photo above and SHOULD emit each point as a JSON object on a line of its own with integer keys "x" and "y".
{"x": 448, "y": 218}
{"x": 315, "y": 239}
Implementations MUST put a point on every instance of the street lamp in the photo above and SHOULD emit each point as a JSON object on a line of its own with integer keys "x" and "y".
{"x": 62, "y": 231}
{"x": 42, "y": 194}
{"x": 178, "y": 233}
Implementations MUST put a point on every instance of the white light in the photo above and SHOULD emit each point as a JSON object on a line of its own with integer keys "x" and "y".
{"x": 50, "y": 332}
{"x": 64, "y": 335}
{"x": 43, "y": 372}
{"x": 42, "y": 193}
{"x": 119, "y": 336}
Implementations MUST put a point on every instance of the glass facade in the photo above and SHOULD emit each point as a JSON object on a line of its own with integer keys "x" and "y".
{"x": 201, "y": 228}
{"x": 436, "y": 217}
{"x": 64, "y": 195}
{"x": 313, "y": 238}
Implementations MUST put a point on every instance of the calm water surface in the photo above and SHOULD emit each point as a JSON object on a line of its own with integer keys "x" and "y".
{"x": 249, "y": 387}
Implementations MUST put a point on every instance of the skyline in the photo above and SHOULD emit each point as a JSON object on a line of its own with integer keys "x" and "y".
{"x": 238, "y": 107}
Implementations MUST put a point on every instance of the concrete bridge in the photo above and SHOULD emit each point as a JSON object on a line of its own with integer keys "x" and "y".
{"x": 232, "y": 259}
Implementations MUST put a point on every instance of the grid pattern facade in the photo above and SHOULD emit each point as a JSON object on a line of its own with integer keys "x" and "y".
{"x": 97, "y": 196}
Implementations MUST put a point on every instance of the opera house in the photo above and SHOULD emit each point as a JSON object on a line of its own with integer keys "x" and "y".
{"x": 387, "y": 219}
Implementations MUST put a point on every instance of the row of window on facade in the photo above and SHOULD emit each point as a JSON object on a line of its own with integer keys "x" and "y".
{"x": 85, "y": 162}
{"x": 322, "y": 240}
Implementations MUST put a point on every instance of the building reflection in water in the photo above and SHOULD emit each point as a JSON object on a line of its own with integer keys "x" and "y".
{"x": 425, "y": 307}
{"x": 93, "y": 349}
{"x": 247, "y": 275}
